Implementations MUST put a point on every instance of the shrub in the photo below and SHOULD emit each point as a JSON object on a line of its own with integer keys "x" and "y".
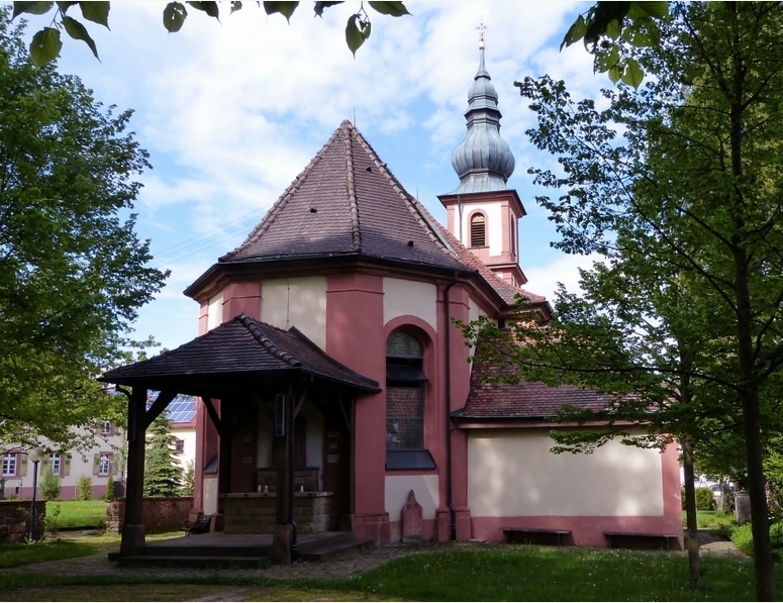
{"x": 742, "y": 537}
{"x": 704, "y": 499}
{"x": 49, "y": 485}
{"x": 50, "y": 519}
{"x": 84, "y": 488}
{"x": 109, "y": 496}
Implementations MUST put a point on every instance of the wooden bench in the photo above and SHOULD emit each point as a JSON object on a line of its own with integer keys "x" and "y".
{"x": 632, "y": 536}
{"x": 511, "y": 532}
{"x": 197, "y": 523}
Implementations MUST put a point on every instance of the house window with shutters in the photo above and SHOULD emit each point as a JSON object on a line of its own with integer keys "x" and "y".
{"x": 478, "y": 230}
{"x": 102, "y": 464}
{"x": 179, "y": 446}
{"x": 11, "y": 464}
{"x": 56, "y": 463}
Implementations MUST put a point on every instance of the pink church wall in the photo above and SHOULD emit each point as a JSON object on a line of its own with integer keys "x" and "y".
{"x": 354, "y": 336}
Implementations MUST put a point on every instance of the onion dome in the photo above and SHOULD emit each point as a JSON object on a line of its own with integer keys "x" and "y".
{"x": 483, "y": 161}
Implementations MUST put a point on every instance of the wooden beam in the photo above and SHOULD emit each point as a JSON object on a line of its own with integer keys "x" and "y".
{"x": 213, "y": 416}
{"x": 160, "y": 404}
{"x": 133, "y": 529}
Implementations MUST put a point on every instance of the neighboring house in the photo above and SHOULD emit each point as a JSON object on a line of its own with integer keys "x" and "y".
{"x": 344, "y": 297}
{"x": 100, "y": 463}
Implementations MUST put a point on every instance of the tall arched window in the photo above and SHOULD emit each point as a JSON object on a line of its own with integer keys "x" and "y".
{"x": 478, "y": 230}
{"x": 404, "y": 392}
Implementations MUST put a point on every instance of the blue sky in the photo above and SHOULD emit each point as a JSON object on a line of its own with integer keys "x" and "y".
{"x": 231, "y": 112}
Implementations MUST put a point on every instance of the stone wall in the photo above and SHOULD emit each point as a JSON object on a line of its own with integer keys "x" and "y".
{"x": 256, "y": 513}
{"x": 160, "y": 514}
{"x": 15, "y": 518}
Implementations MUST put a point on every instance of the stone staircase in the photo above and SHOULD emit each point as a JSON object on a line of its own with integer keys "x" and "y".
{"x": 215, "y": 550}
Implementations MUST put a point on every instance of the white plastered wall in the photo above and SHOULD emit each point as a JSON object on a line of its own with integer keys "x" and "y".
{"x": 210, "y": 495}
{"x": 425, "y": 488}
{"x": 298, "y": 302}
{"x": 215, "y": 311}
{"x": 513, "y": 473}
{"x": 494, "y": 214}
{"x": 474, "y": 313}
{"x": 410, "y": 298}
{"x": 187, "y": 433}
{"x": 315, "y": 439}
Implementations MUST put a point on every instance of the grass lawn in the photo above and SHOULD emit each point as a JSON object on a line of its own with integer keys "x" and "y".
{"x": 461, "y": 572}
{"x": 12, "y": 555}
{"x": 75, "y": 514}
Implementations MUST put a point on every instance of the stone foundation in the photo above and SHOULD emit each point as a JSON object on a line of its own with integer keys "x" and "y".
{"x": 160, "y": 514}
{"x": 15, "y": 520}
{"x": 256, "y": 513}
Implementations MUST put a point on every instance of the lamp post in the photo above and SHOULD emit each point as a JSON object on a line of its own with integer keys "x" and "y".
{"x": 35, "y": 455}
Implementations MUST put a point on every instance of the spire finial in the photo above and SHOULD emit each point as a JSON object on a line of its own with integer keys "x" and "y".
{"x": 481, "y": 28}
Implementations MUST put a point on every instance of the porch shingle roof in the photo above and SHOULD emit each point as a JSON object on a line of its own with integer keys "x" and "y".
{"x": 240, "y": 346}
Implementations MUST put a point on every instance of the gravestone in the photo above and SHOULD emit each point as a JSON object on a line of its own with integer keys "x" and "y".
{"x": 412, "y": 528}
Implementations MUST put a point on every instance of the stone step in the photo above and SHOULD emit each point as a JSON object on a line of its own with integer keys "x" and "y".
{"x": 201, "y": 562}
{"x": 328, "y": 549}
{"x": 206, "y": 551}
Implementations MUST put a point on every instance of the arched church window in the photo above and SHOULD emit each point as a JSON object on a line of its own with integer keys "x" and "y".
{"x": 478, "y": 231}
{"x": 405, "y": 381}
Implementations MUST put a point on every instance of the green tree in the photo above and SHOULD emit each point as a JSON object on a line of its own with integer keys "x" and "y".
{"x": 83, "y": 488}
{"x": 189, "y": 480}
{"x": 72, "y": 272}
{"x": 162, "y": 473}
{"x": 49, "y": 484}
{"x": 691, "y": 163}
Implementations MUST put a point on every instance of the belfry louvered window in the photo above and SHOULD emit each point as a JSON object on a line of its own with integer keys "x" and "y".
{"x": 478, "y": 231}
{"x": 405, "y": 381}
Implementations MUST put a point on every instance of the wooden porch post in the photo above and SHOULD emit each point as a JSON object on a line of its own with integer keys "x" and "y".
{"x": 133, "y": 528}
{"x": 224, "y": 451}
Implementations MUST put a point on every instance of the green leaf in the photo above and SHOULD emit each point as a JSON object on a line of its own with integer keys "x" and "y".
{"x": 637, "y": 36}
{"x": 32, "y": 8}
{"x": 45, "y": 46}
{"x": 284, "y": 8}
{"x": 633, "y": 73}
{"x": 211, "y": 8}
{"x": 355, "y": 33}
{"x": 64, "y": 6}
{"x": 79, "y": 32}
{"x": 235, "y": 6}
{"x": 174, "y": 16}
{"x": 575, "y": 32}
{"x": 394, "y": 9}
{"x": 613, "y": 29}
{"x": 97, "y": 12}
{"x": 614, "y": 73}
{"x": 648, "y": 9}
{"x": 320, "y": 6}
{"x": 607, "y": 59}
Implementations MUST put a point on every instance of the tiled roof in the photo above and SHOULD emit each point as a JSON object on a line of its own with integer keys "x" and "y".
{"x": 241, "y": 346}
{"x": 346, "y": 202}
{"x": 522, "y": 400}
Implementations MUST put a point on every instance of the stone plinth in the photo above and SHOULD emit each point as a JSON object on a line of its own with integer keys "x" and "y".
{"x": 15, "y": 520}
{"x": 256, "y": 512}
{"x": 160, "y": 514}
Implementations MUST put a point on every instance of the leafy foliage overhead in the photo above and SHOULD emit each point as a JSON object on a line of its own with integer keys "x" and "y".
{"x": 73, "y": 274}
{"x": 47, "y": 43}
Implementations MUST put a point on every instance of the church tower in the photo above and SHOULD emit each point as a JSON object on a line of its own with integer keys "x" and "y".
{"x": 483, "y": 212}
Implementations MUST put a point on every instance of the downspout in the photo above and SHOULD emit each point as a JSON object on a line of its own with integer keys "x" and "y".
{"x": 449, "y": 480}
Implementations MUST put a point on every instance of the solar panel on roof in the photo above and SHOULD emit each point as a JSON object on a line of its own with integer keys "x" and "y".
{"x": 181, "y": 409}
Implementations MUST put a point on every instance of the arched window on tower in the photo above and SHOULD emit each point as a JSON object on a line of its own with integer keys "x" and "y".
{"x": 478, "y": 230}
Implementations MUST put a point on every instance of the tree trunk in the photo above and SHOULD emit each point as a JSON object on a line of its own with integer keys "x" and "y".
{"x": 692, "y": 535}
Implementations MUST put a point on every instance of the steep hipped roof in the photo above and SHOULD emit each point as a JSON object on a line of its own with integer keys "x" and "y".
{"x": 346, "y": 202}
{"x": 241, "y": 347}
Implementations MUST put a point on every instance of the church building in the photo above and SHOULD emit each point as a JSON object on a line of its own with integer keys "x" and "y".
{"x": 351, "y": 285}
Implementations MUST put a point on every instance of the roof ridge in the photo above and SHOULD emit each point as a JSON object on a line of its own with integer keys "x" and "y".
{"x": 410, "y": 202}
{"x": 356, "y": 233}
{"x": 283, "y": 199}
{"x": 258, "y": 334}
